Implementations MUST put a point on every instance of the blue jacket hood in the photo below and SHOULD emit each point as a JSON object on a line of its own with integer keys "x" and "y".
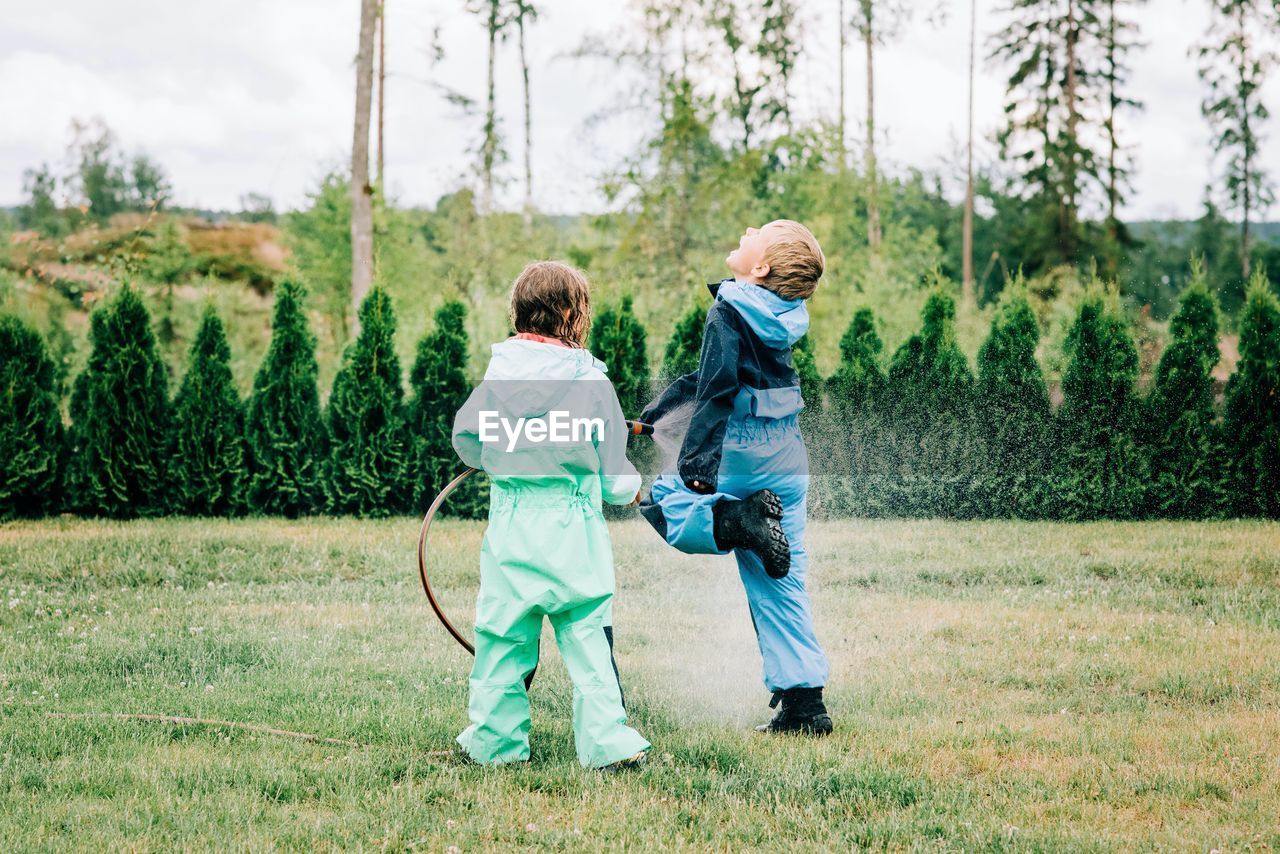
{"x": 778, "y": 322}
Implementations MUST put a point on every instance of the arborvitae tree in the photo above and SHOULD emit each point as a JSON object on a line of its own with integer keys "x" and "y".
{"x": 1012, "y": 413}
{"x": 857, "y": 451}
{"x": 930, "y": 386}
{"x": 285, "y": 440}
{"x": 618, "y": 340}
{"x": 208, "y": 435}
{"x": 31, "y": 437}
{"x": 685, "y": 344}
{"x": 366, "y": 466}
{"x": 806, "y": 368}
{"x": 859, "y": 381}
{"x": 1182, "y": 440}
{"x": 1252, "y": 417}
{"x": 439, "y": 385}
{"x": 120, "y": 416}
{"x": 1098, "y": 468}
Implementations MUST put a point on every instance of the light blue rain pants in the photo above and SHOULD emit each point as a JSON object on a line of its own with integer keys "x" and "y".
{"x": 759, "y": 453}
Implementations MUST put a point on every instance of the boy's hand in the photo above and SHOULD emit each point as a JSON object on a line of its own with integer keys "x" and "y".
{"x": 700, "y": 487}
{"x": 635, "y": 502}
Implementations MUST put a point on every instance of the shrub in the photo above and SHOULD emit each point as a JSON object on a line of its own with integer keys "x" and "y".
{"x": 285, "y": 439}
{"x": 120, "y": 416}
{"x": 208, "y": 446}
{"x": 365, "y": 471}
{"x": 31, "y": 435}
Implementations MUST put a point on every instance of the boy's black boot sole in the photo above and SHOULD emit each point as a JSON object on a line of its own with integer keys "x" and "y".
{"x": 802, "y": 713}
{"x": 755, "y": 524}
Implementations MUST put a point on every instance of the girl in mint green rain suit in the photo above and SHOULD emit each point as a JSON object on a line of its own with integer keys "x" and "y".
{"x": 546, "y": 551}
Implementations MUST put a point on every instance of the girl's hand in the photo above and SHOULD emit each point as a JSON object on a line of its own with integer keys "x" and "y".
{"x": 635, "y": 502}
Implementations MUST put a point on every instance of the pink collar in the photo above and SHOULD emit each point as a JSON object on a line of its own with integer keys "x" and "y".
{"x": 541, "y": 339}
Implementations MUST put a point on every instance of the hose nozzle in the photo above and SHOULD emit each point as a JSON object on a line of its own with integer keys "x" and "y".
{"x": 639, "y": 428}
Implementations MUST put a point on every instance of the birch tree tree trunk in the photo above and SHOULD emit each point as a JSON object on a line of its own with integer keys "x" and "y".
{"x": 382, "y": 90}
{"x": 522, "y": 11}
{"x": 842, "y": 24}
{"x": 361, "y": 191}
{"x": 489, "y": 147}
{"x": 873, "y": 187}
{"x": 967, "y": 288}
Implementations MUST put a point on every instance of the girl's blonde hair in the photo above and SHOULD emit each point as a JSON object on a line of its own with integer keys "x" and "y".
{"x": 552, "y": 299}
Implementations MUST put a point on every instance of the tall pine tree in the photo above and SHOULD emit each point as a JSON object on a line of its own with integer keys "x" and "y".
{"x": 367, "y": 457}
{"x": 1252, "y": 416}
{"x": 439, "y": 387}
{"x": 618, "y": 340}
{"x": 1098, "y": 470}
{"x": 1012, "y": 413}
{"x": 1183, "y": 439}
{"x": 285, "y": 438}
{"x": 120, "y": 417}
{"x": 208, "y": 435}
{"x": 31, "y": 436}
{"x": 930, "y": 390}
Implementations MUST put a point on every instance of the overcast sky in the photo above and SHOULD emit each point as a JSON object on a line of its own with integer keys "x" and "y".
{"x": 242, "y": 96}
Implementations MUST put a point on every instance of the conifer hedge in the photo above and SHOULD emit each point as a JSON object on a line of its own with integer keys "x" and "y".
{"x": 365, "y": 470}
{"x": 1181, "y": 435}
{"x": 930, "y": 407}
{"x": 31, "y": 435}
{"x": 120, "y": 417}
{"x": 680, "y": 356}
{"x": 439, "y": 386}
{"x": 1252, "y": 409}
{"x": 208, "y": 435}
{"x": 927, "y": 438}
{"x": 618, "y": 340}
{"x": 285, "y": 438}
{"x": 1098, "y": 469}
{"x": 1012, "y": 415}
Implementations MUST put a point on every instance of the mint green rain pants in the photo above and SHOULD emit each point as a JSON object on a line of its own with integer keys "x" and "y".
{"x": 546, "y": 553}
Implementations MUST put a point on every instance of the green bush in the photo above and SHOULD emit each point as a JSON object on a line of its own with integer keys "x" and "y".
{"x": 208, "y": 437}
{"x": 618, "y": 340}
{"x": 1252, "y": 416}
{"x": 1098, "y": 470}
{"x": 285, "y": 439}
{"x": 929, "y": 411}
{"x": 1182, "y": 437}
{"x": 854, "y": 473}
{"x": 31, "y": 435}
{"x": 120, "y": 417}
{"x": 1012, "y": 414}
{"x": 439, "y": 387}
{"x": 680, "y": 356}
{"x": 365, "y": 470}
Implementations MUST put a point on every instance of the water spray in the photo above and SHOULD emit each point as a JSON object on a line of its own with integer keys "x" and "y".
{"x": 634, "y": 428}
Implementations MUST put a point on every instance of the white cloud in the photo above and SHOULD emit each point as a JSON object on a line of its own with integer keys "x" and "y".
{"x": 243, "y": 96}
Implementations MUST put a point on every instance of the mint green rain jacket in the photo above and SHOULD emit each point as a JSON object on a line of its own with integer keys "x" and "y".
{"x": 546, "y": 551}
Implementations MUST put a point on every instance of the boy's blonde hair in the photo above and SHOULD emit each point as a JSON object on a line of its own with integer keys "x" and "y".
{"x": 552, "y": 299}
{"x": 795, "y": 261}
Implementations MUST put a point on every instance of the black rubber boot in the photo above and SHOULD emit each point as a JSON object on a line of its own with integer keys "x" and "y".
{"x": 802, "y": 712}
{"x": 755, "y": 524}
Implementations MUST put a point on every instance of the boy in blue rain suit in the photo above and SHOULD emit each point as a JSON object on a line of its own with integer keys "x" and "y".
{"x": 742, "y": 478}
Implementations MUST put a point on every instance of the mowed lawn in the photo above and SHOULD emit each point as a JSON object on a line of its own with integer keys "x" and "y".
{"x": 994, "y": 685}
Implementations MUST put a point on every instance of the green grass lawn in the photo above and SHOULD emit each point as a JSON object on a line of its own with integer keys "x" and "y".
{"x": 994, "y": 685}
